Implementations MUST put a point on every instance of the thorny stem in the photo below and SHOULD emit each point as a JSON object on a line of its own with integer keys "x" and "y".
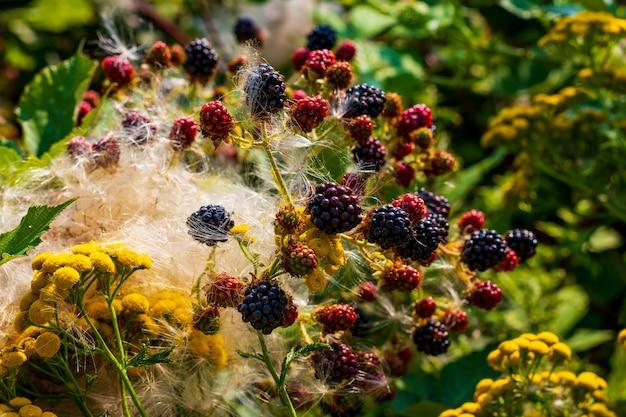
{"x": 280, "y": 384}
{"x": 278, "y": 178}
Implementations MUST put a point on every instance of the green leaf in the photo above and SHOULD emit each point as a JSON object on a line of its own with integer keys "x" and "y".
{"x": 570, "y": 305}
{"x": 369, "y": 22}
{"x": 8, "y": 156}
{"x": 47, "y": 107}
{"x": 144, "y": 359}
{"x": 617, "y": 380}
{"x": 585, "y": 339}
{"x": 54, "y": 15}
{"x": 27, "y": 234}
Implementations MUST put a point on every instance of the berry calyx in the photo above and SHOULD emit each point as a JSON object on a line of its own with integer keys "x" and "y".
{"x": 321, "y": 37}
{"x": 210, "y": 224}
{"x": 346, "y": 51}
{"x": 425, "y": 307}
{"x": 299, "y": 260}
{"x": 472, "y": 220}
{"x": 334, "y": 208}
{"x": 414, "y": 118}
{"x": 413, "y": 205}
{"x": 308, "y": 113}
{"x": 483, "y": 249}
{"x": 224, "y": 291}
{"x": 336, "y": 317}
{"x": 216, "y": 123}
{"x": 485, "y": 295}
{"x": 264, "y": 306}
{"x": 431, "y": 338}
{"x": 183, "y": 132}
{"x": 402, "y": 277}
{"x": 370, "y": 155}
{"x": 523, "y": 242}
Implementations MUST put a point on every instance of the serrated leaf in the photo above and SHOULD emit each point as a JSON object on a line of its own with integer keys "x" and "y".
{"x": 310, "y": 348}
{"x": 47, "y": 107}
{"x": 27, "y": 234}
{"x": 250, "y": 355}
{"x": 144, "y": 359}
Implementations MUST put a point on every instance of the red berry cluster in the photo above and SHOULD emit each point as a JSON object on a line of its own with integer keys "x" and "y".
{"x": 336, "y": 317}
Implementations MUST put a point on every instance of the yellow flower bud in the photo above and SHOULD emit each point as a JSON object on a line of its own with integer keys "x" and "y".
{"x": 12, "y": 360}
{"x": 560, "y": 351}
{"x": 471, "y": 408}
{"x": 48, "y": 414}
{"x": 85, "y": 249}
{"x": 621, "y": 337}
{"x": 102, "y": 262}
{"x": 38, "y": 260}
{"x": 548, "y": 338}
{"x": 162, "y": 307}
{"x": 27, "y": 299}
{"x": 40, "y": 280}
{"x": 65, "y": 277}
{"x": 40, "y": 312}
{"x": 508, "y": 347}
{"x": 587, "y": 380}
{"x": 30, "y": 411}
{"x": 19, "y": 402}
{"x": 494, "y": 359}
{"x": 98, "y": 310}
{"x": 136, "y": 303}
{"x": 483, "y": 386}
{"x": 540, "y": 348}
{"x": 239, "y": 229}
{"x": 316, "y": 281}
{"x": 47, "y": 345}
{"x": 81, "y": 263}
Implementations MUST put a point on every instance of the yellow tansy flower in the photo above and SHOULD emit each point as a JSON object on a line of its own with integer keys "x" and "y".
{"x": 47, "y": 345}
{"x": 65, "y": 277}
{"x": 136, "y": 303}
{"x": 102, "y": 262}
{"x": 12, "y": 360}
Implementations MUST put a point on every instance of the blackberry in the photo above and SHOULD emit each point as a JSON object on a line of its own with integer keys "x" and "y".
{"x": 425, "y": 238}
{"x": 216, "y": 123}
{"x": 183, "y": 132}
{"x": 471, "y": 221}
{"x": 118, "y": 70}
{"x": 509, "y": 262}
{"x": 403, "y": 149}
{"x": 335, "y": 365}
{"x": 485, "y": 295}
{"x": 224, "y": 291}
{"x": 413, "y": 205}
{"x": 346, "y": 51}
{"x": 425, "y": 307}
{"x": 210, "y": 224}
{"x": 265, "y": 91}
{"x": 368, "y": 291}
{"x": 106, "y": 152}
{"x": 319, "y": 61}
{"x": 368, "y": 362}
{"x": 404, "y": 174}
{"x": 360, "y": 128}
{"x": 432, "y": 338}
{"x": 336, "y": 317}
{"x": 388, "y": 226}
{"x": 339, "y": 75}
{"x": 435, "y": 203}
{"x": 299, "y": 57}
{"x": 201, "y": 58}
{"x": 402, "y": 277}
{"x": 442, "y": 222}
{"x": 414, "y": 118}
{"x": 370, "y": 155}
{"x": 522, "y": 241}
{"x": 308, "y": 113}
{"x": 291, "y": 316}
{"x": 139, "y": 127}
{"x": 321, "y": 37}
{"x": 334, "y": 208}
{"x": 79, "y": 146}
{"x": 264, "y": 306}
{"x": 299, "y": 260}
{"x": 246, "y": 29}
{"x": 483, "y": 249}
{"x": 456, "y": 320}
{"x": 364, "y": 99}
{"x": 398, "y": 360}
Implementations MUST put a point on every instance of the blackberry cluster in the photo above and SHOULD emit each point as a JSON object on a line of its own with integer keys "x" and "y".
{"x": 522, "y": 241}
{"x": 436, "y": 203}
{"x": 432, "y": 338}
{"x": 485, "y": 295}
{"x": 321, "y": 37}
{"x": 370, "y": 155}
{"x": 335, "y": 365}
{"x": 299, "y": 260}
{"x": 364, "y": 99}
{"x": 402, "y": 277}
{"x": 246, "y": 29}
{"x": 210, "y": 224}
{"x": 336, "y": 317}
{"x": 201, "y": 58}
{"x": 334, "y": 208}
{"x": 426, "y": 237}
{"x": 265, "y": 91}
{"x": 224, "y": 291}
{"x": 308, "y": 113}
{"x": 483, "y": 249}
{"x": 264, "y": 306}
{"x": 388, "y": 226}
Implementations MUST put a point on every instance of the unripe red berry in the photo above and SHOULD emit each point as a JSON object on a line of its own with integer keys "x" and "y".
{"x": 402, "y": 277}
{"x": 403, "y": 149}
{"x": 83, "y": 109}
{"x": 291, "y": 316}
{"x": 346, "y": 51}
{"x": 118, "y": 70}
{"x": 178, "y": 54}
{"x": 299, "y": 95}
{"x": 509, "y": 263}
{"x": 299, "y": 57}
{"x": 299, "y": 259}
{"x": 78, "y": 146}
{"x": 485, "y": 295}
{"x": 404, "y": 174}
{"x": 308, "y": 113}
{"x": 425, "y": 307}
{"x": 471, "y": 221}
{"x": 319, "y": 61}
{"x": 106, "y": 152}
{"x": 159, "y": 55}
{"x": 360, "y": 128}
{"x": 441, "y": 163}
{"x": 216, "y": 123}
{"x": 183, "y": 132}
{"x": 224, "y": 291}
{"x": 413, "y": 205}
{"x": 368, "y": 291}
{"x": 336, "y": 317}
{"x": 339, "y": 75}
{"x": 139, "y": 127}
{"x": 393, "y": 105}
{"x": 456, "y": 320}
{"x": 422, "y": 137}
{"x": 92, "y": 97}
{"x": 414, "y": 118}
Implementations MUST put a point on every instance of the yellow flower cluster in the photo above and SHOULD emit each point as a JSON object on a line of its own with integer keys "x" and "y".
{"x": 23, "y": 407}
{"x": 32, "y": 342}
{"x": 589, "y": 26}
{"x": 527, "y": 390}
{"x": 611, "y": 78}
{"x": 521, "y": 121}
{"x": 210, "y": 347}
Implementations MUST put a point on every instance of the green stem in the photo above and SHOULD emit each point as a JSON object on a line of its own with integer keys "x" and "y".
{"x": 278, "y": 178}
{"x": 122, "y": 353}
{"x": 280, "y": 384}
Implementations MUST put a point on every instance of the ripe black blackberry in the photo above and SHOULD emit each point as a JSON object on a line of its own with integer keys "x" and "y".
{"x": 334, "y": 208}
{"x": 335, "y": 365}
{"x": 432, "y": 338}
{"x": 370, "y": 155}
{"x": 264, "y": 306}
{"x": 210, "y": 224}
{"x": 201, "y": 58}
{"x": 388, "y": 226}
{"x": 436, "y": 204}
{"x": 321, "y": 37}
{"x": 425, "y": 238}
{"x": 522, "y": 241}
{"x": 364, "y": 99}
{"x": 442, "y": 222}
{"x": 483, "y": 249}
{"x": 265, "y": 91}
{"x": 246, "y": 29}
